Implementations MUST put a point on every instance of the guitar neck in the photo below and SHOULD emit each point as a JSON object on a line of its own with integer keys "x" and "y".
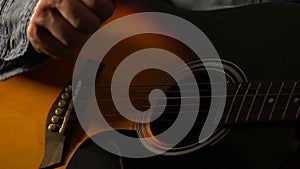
{"x": 262, "y": 102}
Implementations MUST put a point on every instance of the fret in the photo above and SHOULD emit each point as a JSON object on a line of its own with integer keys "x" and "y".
{"x": 262, "y": 101}
{"x": 242, "y": 103}
{"x": 232, "y": 103}
{"x": 228, "y": 102}
{"x": 289, "y": 100}
{"x": 298, "y": 113}
{"x": 282, "y": 101}
{"x": 273, "y": 106}
{"x": 263, "y": 104}
{"x": 276, "y": 100}
{"x": 231, "y": 92}
{"x": 247, "y": 102}
{"x": 252, "y": 102}
{"x": 238, "y": 103}
{"x": 258, "y": 102}
{"x": 293, "y": 105}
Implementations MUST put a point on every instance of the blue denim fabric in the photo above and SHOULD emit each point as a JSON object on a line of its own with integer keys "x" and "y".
{"x": 14, "y": 44}
{"x": 14, "y": 19}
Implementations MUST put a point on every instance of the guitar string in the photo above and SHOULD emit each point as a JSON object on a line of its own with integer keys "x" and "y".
{"x": 97, "y": 92}
{"x": 200, "y": 111}
{"x": 131, "y": 123}
{"x": 252, "y": 117}
{"x": 252, "y": 120}
{"x": 190, "y": 97}
{"x": 264, "y": 119}
{"x": 148, "y": 85}
{"x": 106, "y": 92}
{"x": 140, "y": 99}
{"x": 185, "y": 84}
{"x": 177, "y": 105}
{"x": 200, "y": 97}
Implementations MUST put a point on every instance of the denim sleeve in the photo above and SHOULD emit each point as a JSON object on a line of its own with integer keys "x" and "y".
{"x": 15, "y": 56}
{"x": 208, "y": 5}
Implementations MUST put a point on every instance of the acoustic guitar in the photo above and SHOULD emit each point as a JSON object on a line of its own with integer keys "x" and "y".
{"x": 39, "y": 126}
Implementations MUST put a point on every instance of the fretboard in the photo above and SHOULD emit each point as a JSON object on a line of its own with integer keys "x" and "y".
{"x": 262, "y": 102}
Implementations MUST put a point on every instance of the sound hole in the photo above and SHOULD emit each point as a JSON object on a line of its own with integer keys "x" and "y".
{"x": 170, "y": 114}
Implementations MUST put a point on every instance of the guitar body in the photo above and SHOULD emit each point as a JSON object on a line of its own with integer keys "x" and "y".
{"x": 260, "y": 56}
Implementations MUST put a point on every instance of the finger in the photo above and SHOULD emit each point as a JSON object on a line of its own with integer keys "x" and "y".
{"x": 79, "y": 16}
{"x": 60, "y": 28}
{"x": 102, "y": 8}
{"x": 44, "y": 42}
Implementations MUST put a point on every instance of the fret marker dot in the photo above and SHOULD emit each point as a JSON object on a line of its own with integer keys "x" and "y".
{"x": 271, "y": 100}
{"x": 296, "y": 100}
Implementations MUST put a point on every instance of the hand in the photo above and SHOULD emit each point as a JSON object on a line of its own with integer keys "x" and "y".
{"x": 59, "y": 28}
